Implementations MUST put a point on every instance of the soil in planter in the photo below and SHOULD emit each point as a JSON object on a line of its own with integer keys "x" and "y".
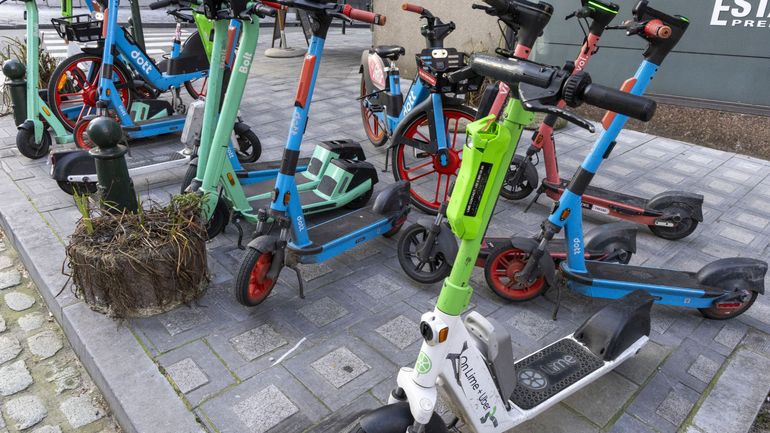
{"x": 129, "y": 265}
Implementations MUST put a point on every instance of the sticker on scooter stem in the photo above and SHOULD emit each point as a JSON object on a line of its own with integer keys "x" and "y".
{"x": 423, "y": 364}
{"x": 479, "y": 185}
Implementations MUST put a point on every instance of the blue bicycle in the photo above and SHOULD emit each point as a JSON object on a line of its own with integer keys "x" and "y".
{"x": 106, "y": 75}
{"x": 420, "y": 155}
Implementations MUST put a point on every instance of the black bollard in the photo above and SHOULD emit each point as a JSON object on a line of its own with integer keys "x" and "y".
{"x": 15, "y": 73}
{"x": 115, "y": 184}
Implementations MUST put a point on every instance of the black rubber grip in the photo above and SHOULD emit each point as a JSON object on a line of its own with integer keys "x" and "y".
{"x": 620, "y": 102}
{"x": 501, "y": 6}
{"x": 512, "y": 70}
{"x": 160, "y": 4}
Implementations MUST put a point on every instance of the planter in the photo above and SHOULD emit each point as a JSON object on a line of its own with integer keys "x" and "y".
{"x": 132, "y": 265}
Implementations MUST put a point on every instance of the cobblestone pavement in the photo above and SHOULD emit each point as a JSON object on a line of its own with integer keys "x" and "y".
{"x": 344, "y": 343}
{"x": 43, "y": 386}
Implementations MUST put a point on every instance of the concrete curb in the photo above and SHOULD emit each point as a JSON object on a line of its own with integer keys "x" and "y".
{"x": 140, "y": 397}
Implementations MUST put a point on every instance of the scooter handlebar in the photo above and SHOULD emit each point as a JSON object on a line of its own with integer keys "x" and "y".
{"x": 618, "y": 101}
{"x": 412, "y": 8}
{"x": 160, "y": 4}
{"x": 363, "y": 16}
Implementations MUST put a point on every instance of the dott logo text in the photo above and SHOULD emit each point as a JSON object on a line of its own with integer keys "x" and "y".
{"x": 741, "y": 13}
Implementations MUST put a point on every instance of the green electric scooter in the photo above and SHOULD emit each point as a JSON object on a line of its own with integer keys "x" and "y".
{"x": 32, "y": 138}
{"x": 336, "y": 175}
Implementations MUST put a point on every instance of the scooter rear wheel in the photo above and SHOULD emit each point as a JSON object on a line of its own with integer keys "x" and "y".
{"x": 430, "y": 182}
{"x": 252, "y": 286}
{"x": 682, "y": 229}
{"x": 372, "y": 126}
{"x": 25, "y": 142}
{"x": 502, "y": 265}
{"x": 410, "y": 241}
{"x": 728, "y": 309}
{"x": 249, "y": 148}
{"x": 74, "y": 84}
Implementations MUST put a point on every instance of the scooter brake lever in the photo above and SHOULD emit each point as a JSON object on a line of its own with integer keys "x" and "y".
{"x": 564, "y": 114}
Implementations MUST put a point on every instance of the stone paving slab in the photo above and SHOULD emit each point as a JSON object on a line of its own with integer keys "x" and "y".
{"x": 339, "y": 349}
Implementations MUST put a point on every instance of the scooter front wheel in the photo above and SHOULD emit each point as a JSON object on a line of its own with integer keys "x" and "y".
{"x": 25, "y": 142}
{"x": 80, "y": 134}
{"x": 520, "y": 180}
{"x": 728, "y": 309}
{"x": 502, "y": 265}
{"x": 252, "y": 286}
{"x": 425, "y": 272}
{"x": 218, "y": 220}
{"x": 248, "y": 148}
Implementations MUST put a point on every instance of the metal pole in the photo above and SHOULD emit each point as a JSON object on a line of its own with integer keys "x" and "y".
{"x": 136, "y": 24}
{"x": 115, "y": 184}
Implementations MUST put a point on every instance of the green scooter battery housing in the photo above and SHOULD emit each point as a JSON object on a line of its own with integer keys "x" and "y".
{"x": 485, "y": 161}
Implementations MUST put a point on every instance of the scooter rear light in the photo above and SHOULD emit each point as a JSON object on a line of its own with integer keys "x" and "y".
{"x": 732, "y": 304}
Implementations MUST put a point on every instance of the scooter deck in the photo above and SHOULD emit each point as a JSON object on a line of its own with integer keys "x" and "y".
{"x": 549, "y": 371}
{"x": 311, "y": 202}
{"x": 605, "y": 194}
{"x": 267, "y": 186}
{"x": 643, "y": 275}
{"x": 136, "y": 163}
{"x": 267, "y": 165}
{"x": 343, "y": 225}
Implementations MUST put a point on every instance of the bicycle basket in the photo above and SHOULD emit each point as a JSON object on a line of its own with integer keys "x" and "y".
{"x": 81, "y": 28}
{"x": 435, "y": 64}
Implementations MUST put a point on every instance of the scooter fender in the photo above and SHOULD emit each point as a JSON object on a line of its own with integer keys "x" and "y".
{"x": 612, "y": 237}
{"x": 424, "y": 107}
{"x": 734, "y": 273}
{"x": 546, "y": 267}
{"x": 73, "y": 163}
{"x": 269, "y": 244}
{"x": 397, "y": 418}
{"x": 372, "y": 69}
{"x": 667, "y": 198}
{"x": 446, "y": 243}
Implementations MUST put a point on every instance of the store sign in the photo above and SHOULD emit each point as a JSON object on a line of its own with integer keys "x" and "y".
{"x": 741, "y": 13}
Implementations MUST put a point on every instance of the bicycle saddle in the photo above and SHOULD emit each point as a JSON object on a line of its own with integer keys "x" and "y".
{"x": 392, "y": 52}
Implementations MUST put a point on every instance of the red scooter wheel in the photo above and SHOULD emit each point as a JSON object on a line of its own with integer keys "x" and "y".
{"x": 503, "y": 263}
{"x": 253, "y": 285}
{"x": 430, "y": 180}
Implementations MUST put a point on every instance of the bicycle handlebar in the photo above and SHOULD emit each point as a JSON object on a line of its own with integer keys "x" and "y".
{"x": 363, "y": 16}
{"x": 413, "y": 8}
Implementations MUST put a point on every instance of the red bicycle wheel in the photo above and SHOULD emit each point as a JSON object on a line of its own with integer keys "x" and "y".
{"x": 503, "y": 263}
{"x": 73, "y": 89}
{"x": 430, "y": 181}
{"x": 371, "y": 124}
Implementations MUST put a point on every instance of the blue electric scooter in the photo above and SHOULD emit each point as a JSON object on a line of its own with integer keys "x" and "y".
{"x": 721, "y": 289}
{"x": 295, "y": 242}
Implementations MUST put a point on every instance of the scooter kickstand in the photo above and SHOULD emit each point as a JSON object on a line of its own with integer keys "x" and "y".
{"x": 534, "y": 199}
{"x": 237, "y": 223}
{"x": 295, "y": 268}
